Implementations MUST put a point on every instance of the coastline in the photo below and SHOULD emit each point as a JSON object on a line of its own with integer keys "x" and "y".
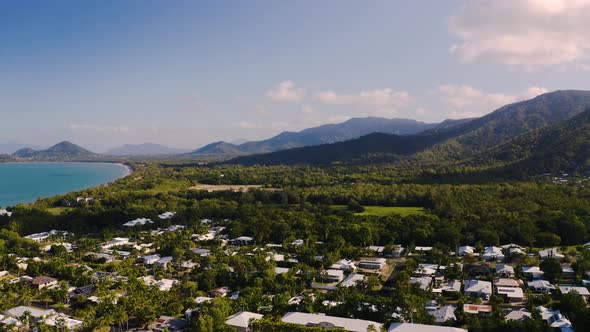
{"x": 125, "y": 170}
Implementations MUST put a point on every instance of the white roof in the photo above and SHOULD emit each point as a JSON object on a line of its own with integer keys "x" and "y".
{"x": 242, "y": 319}
{"x": 478, "y": 286}
{"x": 348, "y": 324}
{"x": 409, "y": 327}
{"x": 504, "y": 268}
{"x": 565, "y": 289}
{"x": 17, "y": 312}
{"x": 511, "y": 292}
{"x": 352, "y": 280}
{"x": 540, "y": 284}
{"x": 202, "y": 299}
{"x": 518, "y": 314}
{"x": 444, "y": 313}
{"x": 281, "y": 270}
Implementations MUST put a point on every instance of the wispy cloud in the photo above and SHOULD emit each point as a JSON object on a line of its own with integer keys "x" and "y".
{"x": 468, "y": 101}
{"x": 77, "y": 127}
{"x": 379, "y": 98}
{"x": 285, "y": 92}
{"x": 528, "y": 33}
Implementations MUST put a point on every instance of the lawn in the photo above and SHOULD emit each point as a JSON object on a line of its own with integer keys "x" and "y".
{"x": 382, "y": 211}
{"x": 58, "y": 210}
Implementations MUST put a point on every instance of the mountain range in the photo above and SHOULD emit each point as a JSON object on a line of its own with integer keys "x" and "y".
{"x": 459, "y": 143}
{"x": 145, "y": 149}
{"x": 330, "y": 133}
{"x": 61, "y": 151}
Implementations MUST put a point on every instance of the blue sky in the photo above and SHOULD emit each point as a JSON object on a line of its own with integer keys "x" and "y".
{"x": 186, "y": 73}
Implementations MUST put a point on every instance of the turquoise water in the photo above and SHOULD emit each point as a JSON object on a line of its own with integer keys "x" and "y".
{"x": 25, "y": 182}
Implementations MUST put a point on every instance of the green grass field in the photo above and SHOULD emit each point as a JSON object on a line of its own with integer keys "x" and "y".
{"x": 58, "y": 210}
{"x": 382, "y": 211}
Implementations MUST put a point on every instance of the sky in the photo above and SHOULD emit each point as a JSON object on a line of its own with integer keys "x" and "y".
{"x": 103, "y": 73}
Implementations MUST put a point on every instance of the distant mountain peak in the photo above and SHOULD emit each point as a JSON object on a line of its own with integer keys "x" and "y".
{"x": 61, "y": 150}
{"x": 329, "y": 133}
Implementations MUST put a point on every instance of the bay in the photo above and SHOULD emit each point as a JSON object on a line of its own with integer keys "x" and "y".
{"x": 26, "y": 182}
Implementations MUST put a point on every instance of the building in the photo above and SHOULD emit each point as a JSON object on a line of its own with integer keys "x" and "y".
{"x": 333, "y": 275}
{"x": 465, "y": 250}
{"x": 372, "y": 264}
{"x": 478, "y": 309}
{"x": 4, "y": 212}
{"x": 410, "y": 327}
{"x": 518, "y": 315}
{"x": 532, "y": 272}
{"x": 323, "y": 321}
{"x": 352, "y": 280}
{"x": 512, "y": 294}
{"x": 551, "y": 253}
{"x": 541, "y": 286}
{"x": 504, "y": 270}
{"x": 583, "y": 291}
{"x": 43, "y": 282}
{"x": 241, "y": 321}
{"x": 344, "y": 264}
{"x": 478, "y": 288}
{"x": 138, "y": 222}
{"x": 150, "y": 259}
{"x": 169, "y": 324}
{"x": 242, "y": 241}
{"x": 493, "y": 254}
{"x": 167, "y": 215}
{"x": 453, "y": 286}
{"x": 443, "y": 314}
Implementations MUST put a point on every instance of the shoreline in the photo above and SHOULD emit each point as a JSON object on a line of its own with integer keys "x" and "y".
{"x": 128, "y": 170}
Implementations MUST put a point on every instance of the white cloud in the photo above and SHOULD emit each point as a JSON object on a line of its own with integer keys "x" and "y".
{"x": 285, "y": 92}
{"x": 529, "y": 33}
{"x": 248, "y": 125}
{"x": 467, "y": 101}
{"x": 379, "y": 98}
{"x": 308, "y": 109}
{"x": 77, "y": 127}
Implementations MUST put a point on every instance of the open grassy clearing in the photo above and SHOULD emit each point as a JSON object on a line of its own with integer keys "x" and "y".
{"x": 382, "y": 211}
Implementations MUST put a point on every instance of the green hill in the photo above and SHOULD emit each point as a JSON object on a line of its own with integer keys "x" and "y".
{"x": 444, "y": 144}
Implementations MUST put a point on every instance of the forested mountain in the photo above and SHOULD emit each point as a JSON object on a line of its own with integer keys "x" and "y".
{"x": 330, "y": 133}
{"x": 62, "y": 150}
{"x": 454, "y": 143}
{"x": 559, "y": 148}
{"x": 9, "y": 148}
{"x": 145, "y": 149}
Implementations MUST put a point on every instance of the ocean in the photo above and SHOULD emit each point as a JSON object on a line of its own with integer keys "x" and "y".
{"x": 26, "y": 182}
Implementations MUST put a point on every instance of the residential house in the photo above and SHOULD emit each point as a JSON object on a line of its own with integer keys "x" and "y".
{"x": 551, "y": 253}
{"x": 478, "y": 288}
{"x": 43, "y": 282}
{"x": 532, "y": 272}
{"x": 164, "y": 261}
{"x": 324, "y": 321}
{"x": 151, "y": 259}
{"x": 333, "y": 275}
{"x": 344, "y": 264}
{"x": 478, "y": 309}
{"x": 518, "y": 315}
{"x": 466, "y": 250}
{"x": 583, "y": 291}
{"x": 169, "y": 324}
{"x": 202, "y": 252}
{"x": 567, "y": 271}
{"x": 4, "y": 212}
{"x": 352, "y": 280}
{"x": 493, "y": 254}
{"x": 167, "y": 215}
{"x": 422, "y": 282}
{"x": 411, "y": 327}
{"x": 138, "y": 222}
{"x": 241, "y": 321}
{"x": 506, "y": 282}
{"x": 504, "y": 270}
{"x": 242, "y": 241}
{"x": 372, "y": 264}
{"x": 541, "y": 286}
{"x": 443, "y": 314}
{"x": 453, "y": 286}
{"x": 555, "y": 319}
{"x": 221, "y": 291}
{"x": 512, "y": 294}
